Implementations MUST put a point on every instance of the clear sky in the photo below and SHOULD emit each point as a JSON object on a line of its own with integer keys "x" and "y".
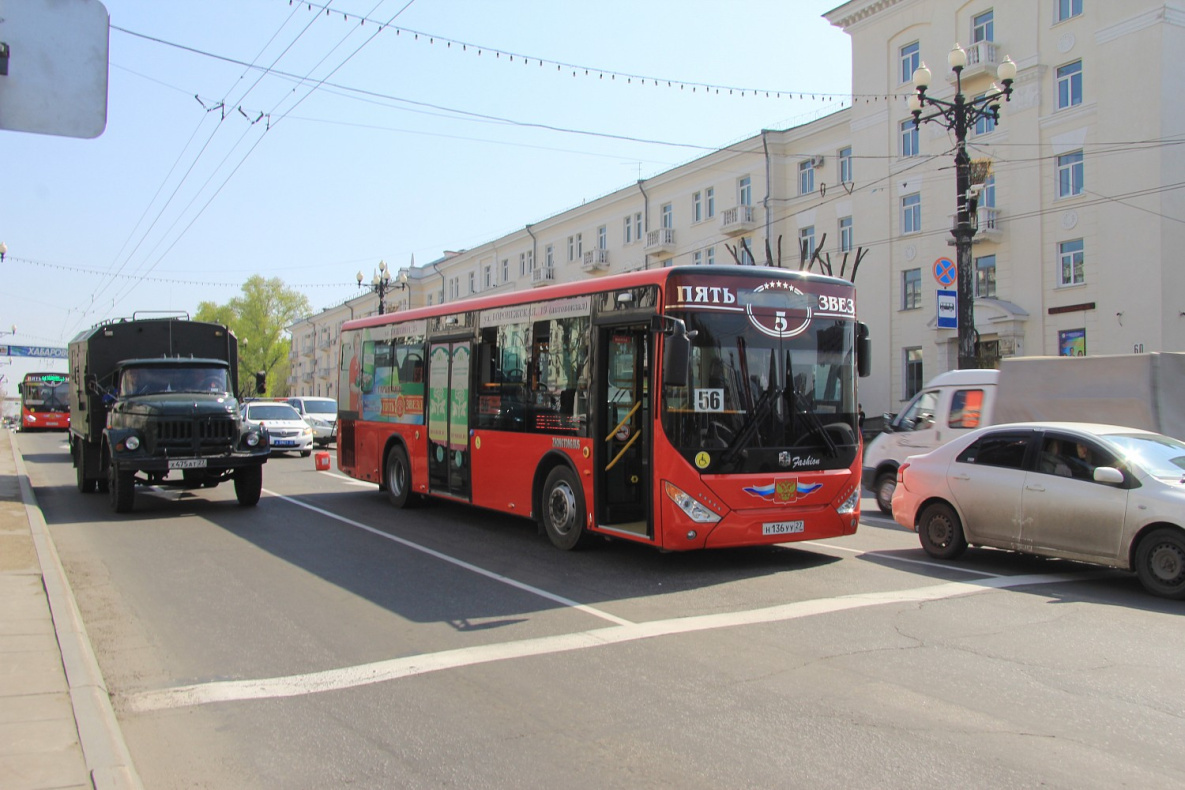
{"x": 307, "y": 143}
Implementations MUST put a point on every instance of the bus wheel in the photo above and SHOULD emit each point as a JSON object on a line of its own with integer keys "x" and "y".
{"x": 563, "y": 511}
{"x": 248, "y": 484}
{"x": 399, "y": 479}
{"x": 121, "y": 486}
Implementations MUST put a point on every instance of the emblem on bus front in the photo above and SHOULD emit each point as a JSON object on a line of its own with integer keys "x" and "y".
{"x": 784, "y": 459}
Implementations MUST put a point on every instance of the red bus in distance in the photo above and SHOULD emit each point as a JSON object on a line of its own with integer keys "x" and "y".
{"x": 45, "y": 402}
{"x": 684, "y": 408}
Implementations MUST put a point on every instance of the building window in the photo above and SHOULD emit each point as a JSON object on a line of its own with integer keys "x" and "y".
{"x": 710, "y": 256}
{"x": 745, "y": 250}
{"x": 987, "y": 198}
{"x": 911, "y": 289}
{"x": 1067, "y": 9}
{"x": 526, "y": 262}
{"x": 806, "y": 241}
{"x": 627, "y": 231}
{"x": 806, "y": 177}
{"x": 697, "y": 207}
{"x": 845, "y": 165}
{"x": 846, "y": 242}
{"x": 911, "y": 58}
{"x": 911, "y": 213}
{"x": 505, "y": 270}
{"x": 697, "y": 258}
{"x": 1070, "y": 174}
{"x": 745, "y": 191}
{"x": 1069, "y": 85}
{"x": 909, "y": 138}
{"x": 472, "y": 283}
{"x": 710, "y": 202}
{"x": 1071, "y": 256}
{"x": 985, "y": 277}
{"x": 549, "y": 256}
{"x": 603, "y": 238}
{"x": 983, "y": 27}
{"x": 913, "y": 372}
{"x": 667, "y": 216}
{"x": 487, "y": 275}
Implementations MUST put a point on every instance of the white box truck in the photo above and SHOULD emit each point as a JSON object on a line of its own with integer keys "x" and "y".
{"x": 1137, "y": 390}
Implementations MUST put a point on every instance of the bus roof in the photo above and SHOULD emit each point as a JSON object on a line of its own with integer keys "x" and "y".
{"x": 582, "y": 288}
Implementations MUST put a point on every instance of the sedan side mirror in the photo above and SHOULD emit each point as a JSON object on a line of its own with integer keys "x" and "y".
{"x": 1109, "y": 475}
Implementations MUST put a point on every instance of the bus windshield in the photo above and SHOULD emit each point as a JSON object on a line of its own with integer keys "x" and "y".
{"x": 756, "y": 402}
{"x": 46, "y": 396}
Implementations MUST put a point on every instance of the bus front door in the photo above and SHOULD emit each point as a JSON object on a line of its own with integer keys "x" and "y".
{"x": 623, "y": 429}
{"x": 448, "y": 418}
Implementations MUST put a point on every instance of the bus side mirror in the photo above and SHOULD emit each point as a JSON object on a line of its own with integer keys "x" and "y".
{"x": 260, "y": 382}
{"x": 677, "y": 350}
{"x": 863, "y": 350}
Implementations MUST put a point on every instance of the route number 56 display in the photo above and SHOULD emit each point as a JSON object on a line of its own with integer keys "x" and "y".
{"x": 709, "y": 400}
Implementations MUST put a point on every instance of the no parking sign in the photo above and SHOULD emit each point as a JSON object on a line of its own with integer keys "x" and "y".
{"x": 945, "y": 272}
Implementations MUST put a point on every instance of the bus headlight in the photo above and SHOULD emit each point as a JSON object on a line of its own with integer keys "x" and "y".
{"x": 694, "y": 510}
{"x": 849, "y": 504}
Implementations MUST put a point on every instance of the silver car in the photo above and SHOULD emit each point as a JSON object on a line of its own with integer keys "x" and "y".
{"x": 320, "y": 414}
{"x": 1103, "y": 494}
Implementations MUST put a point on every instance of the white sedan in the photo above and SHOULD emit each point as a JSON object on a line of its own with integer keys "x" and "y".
{"x": 286, "y": 429}
{"x": 1103, "y": 494}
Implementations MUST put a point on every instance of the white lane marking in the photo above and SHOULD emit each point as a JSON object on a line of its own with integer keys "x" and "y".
{"x": 395, "y": 668}
{"x": 349, "y": 480}
{"x": 894, "y": 558}
{"x": 459, "y": 563}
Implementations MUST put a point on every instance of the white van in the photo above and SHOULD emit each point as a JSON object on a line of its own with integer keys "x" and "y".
{"x": 952, "y": 404}
{"x": 320, "y": 414}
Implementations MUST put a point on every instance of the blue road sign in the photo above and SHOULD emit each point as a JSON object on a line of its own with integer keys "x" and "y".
{"x": 948, "y": 309}
{"x": 945, "y": 272}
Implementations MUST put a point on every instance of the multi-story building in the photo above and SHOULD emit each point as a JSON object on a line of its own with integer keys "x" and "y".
{"x": 1076, "y": 221}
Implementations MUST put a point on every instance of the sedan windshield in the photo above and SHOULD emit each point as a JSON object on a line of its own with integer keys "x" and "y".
{"x": 757, "y": 402}
{"x": 271, "y": 411}
{"x": 1161, "y": 456}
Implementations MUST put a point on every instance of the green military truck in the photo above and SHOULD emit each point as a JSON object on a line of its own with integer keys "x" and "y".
{"x": 154, "y": 401}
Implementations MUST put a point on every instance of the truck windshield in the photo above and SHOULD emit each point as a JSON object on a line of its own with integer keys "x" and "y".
{"x": 757, "y": 403}
{"x": 156, "y": 380}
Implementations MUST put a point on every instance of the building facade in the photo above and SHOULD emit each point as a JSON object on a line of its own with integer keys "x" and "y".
{"x": 1077, "y": 221}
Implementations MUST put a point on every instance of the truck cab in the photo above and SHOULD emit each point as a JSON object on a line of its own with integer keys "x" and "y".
{"x": 952, "y": 404}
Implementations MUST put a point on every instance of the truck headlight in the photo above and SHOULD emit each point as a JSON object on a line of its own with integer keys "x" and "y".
{"x": 252, "y": 439}
{"x": 132, "y": 443}
{"x": 694, "y": 510}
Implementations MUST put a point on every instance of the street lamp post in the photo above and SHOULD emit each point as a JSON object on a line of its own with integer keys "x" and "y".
{"x": 958, "y": 115}
{"x": 379, "y": 284}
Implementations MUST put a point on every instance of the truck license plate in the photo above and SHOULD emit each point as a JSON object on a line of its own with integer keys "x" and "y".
{"x": 783, "y": 527}
{"x": 187, "y": 463}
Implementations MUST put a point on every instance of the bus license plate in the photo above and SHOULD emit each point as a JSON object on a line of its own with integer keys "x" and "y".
{"x": 187, "y": 463}
{"x": 783, "y": 527}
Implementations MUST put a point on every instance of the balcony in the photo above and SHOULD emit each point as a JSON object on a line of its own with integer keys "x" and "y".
{"x": 982, "y": 58}
{"x": 738, "y": 220}
{"x": 545, "y": 275}
{"x": 660, "y": 242}
{"x": 595, "y": 261}
{"x": 989, "y": 221}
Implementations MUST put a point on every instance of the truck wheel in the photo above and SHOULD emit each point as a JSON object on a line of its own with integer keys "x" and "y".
{"x": 249, "y": 485}
{"x": 86, "y": 484}
{"x": 941, "y": 532}
{"x": 886, "y": 484}
{"x": 398, "y": 477}
{"x": 121, "y": 487}
{"x": 1160, "y": 563}
{"x": 562, "y": 512}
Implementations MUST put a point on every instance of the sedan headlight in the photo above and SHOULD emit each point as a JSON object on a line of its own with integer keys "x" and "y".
{"x": 694, "y": 510}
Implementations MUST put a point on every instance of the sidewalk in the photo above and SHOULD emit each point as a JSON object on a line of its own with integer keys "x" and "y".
{"x": 57, "y": 728}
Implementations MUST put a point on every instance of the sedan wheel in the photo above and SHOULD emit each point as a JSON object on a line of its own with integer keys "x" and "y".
{"x": 1160, "y": 563}
{"x": 941, "y": 532}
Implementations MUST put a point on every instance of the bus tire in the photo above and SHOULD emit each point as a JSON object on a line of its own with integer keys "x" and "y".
{"x": 248, "y": 485}
{"x": 121, "y": 486}
{"x": 398, "y": 478}
{"x": 562, "y": 510}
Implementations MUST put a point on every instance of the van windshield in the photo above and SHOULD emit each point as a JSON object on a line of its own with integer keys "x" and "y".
{"x": 320, "y": 406}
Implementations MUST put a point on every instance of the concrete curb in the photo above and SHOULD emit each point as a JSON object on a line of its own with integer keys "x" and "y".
{"x": 103, "y": 746}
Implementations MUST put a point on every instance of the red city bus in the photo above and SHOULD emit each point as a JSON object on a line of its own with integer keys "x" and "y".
{"x": 685, "y": 408}
{"x": 45, "y": 402}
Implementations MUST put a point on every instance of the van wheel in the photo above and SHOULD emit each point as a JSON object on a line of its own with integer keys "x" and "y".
{"x": 1160, "y": 563}
{"x": 562, "y": 512}
{"x": 886, "y": 484}
{"x": 941, "y": 532}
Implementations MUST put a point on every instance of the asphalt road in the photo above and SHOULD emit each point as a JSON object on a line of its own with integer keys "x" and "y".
{"x": 324, "y": 639}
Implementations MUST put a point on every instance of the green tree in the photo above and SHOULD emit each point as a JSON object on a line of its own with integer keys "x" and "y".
{"x": 259, "y": 318}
